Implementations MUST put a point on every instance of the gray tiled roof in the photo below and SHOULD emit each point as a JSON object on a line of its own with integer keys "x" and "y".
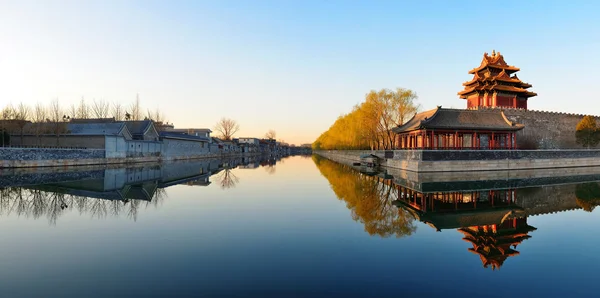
{"x": 441, "y": 118}
{"x": 95, "y": 128}
{"x": 138, "y": 127}
{"x": 183, "y": 136}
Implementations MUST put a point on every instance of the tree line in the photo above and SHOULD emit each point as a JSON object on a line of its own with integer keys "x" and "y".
{"x": 84, "y": 109}
{"x": 54, "y": 116}
{"x": 369, "y": 124}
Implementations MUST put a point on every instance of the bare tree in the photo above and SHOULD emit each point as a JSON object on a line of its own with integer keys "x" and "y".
{"x": 83, "y": 111}
{"x": 227, "y": 128}
{"x": 39, "y": 113}
{"x": 270, "y": 134}
{"x": 56, "y": 116}
{"x": 39, "y": 116}
{"x": 7, "y": 113}
{"x": 100, "y": 108}
{"x": 118, "y": 112}
{"x": 22, "y": 114}
{"x": 136, "y": 109}
{"x": 156, "y": 116}
{"x": 72, "y": 110}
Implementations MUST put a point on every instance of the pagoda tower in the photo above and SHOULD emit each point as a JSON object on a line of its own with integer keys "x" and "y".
{"x": 494, "y": 84}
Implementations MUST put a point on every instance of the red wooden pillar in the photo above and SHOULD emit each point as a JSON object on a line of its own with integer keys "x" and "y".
{"x": 455, "y": 139}
{"x": 474, "y": 140}
{"x": 492, "y": 142}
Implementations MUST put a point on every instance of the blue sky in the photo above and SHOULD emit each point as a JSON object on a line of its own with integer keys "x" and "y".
{"x": 292, "y": 66}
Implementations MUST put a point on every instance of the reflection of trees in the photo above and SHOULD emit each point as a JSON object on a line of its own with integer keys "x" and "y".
{"x": 369, "y": 198}
{"x": 35, "y": 203}
{"x": 588, "y": 195}
{"x": 227, "y": 179}
{"x": 270, "y": 169}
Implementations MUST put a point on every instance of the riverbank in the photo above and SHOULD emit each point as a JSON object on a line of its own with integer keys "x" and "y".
{"x": 470, "y": 160}
{"x": 41, "y": 157}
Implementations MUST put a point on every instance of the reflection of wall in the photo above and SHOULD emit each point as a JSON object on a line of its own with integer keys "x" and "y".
{"x": 548, "y": 199}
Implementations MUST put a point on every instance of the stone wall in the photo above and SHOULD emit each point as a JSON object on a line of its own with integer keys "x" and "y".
{"x": 75, "y": 141}
{"x": 545, "y": 130}
{"x": 48, "y": 154}
{"x": 474, "y": 160}
{"x": 184, "y": 149}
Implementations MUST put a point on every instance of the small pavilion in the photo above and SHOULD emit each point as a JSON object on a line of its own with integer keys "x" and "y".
{"x": 458, "y": 129}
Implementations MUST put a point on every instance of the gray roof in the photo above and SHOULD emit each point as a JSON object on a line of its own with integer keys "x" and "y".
{"x": 458, "y": 119}
{"x": 188, "y": 130}
{"x": 138, "y": 127}
{"x": 464, "y": 218}
{"x": 95, "y": 128}
{"x": 93, "y": 120}
{"x": 183, "y": 136}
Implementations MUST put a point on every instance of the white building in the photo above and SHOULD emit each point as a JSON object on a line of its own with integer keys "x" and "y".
{"x": 198, "y": 132}
{"x": 249, "y": 141}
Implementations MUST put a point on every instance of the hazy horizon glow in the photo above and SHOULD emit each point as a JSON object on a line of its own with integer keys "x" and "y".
{"x": 289, "y": 66}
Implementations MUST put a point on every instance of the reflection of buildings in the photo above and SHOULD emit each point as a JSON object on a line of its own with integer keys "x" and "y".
{"x": 493, "y": 242}
{"x": 490, "y": 209}
{"x": 101, "y": 190}
{"x": 490, "y": 219}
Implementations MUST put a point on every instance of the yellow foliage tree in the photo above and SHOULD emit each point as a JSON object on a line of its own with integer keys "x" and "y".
{"x": 586, "y": 132}
{"x": 369, "y": 124}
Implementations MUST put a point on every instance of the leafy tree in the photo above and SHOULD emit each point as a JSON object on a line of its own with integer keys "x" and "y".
{"x": 586, "y": 133}
{"x": 369, "y": 124}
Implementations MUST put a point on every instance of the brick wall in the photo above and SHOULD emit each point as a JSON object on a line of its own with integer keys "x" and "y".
{"x": 547, "y": 130}
{"x": 48, "y": 154}
{"x": 91, "y": 142}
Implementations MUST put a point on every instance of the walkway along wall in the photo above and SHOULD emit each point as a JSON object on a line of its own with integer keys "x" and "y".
{"x": 472, "y": 160}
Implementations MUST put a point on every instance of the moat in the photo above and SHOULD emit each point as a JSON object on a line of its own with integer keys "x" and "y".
{"x": 299, "y": 226}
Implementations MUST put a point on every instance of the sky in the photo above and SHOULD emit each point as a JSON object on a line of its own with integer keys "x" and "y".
{"x": 290, "y": 66}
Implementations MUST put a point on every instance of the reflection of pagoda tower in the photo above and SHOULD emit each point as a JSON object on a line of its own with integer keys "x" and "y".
{"x": 493, "y": 242}
{"x": 489, "y": 219}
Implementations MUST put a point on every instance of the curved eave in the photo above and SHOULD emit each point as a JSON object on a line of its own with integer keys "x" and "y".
{"x": 507, "y": 69}
{"x": 471, "y": 128}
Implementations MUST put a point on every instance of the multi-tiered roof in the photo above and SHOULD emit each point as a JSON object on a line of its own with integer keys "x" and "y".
{"x": 495, "y": 244}
{"x": 495, "y": 75}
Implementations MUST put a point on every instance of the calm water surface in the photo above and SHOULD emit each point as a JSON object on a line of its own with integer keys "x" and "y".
{"x": 296, "y": 227}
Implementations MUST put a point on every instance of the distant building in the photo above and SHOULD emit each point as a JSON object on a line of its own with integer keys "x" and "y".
{"x": 199, "y": 132}
{"x": 249, "y": 141}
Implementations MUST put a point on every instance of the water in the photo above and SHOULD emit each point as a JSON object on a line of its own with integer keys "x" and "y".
{"x": 294, "y": 227}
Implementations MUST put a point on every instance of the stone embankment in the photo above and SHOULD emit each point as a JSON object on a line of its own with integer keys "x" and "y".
{"x": 43, "y": 157}
{"x": 472, "y": 160}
